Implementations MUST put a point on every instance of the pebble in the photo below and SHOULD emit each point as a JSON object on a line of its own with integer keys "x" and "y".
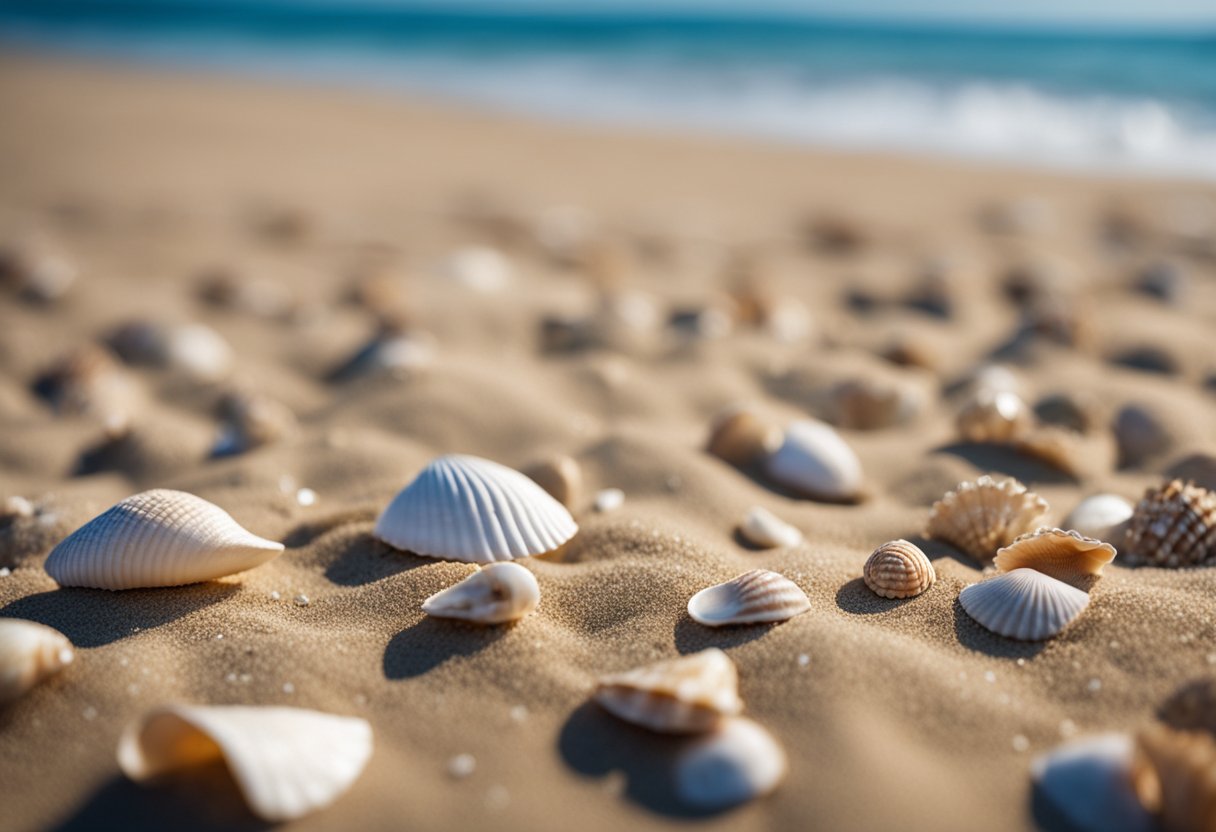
{"x": 461, "y": 766}
{"x": 302, "y": 600}
{"x": 610, "y": 499}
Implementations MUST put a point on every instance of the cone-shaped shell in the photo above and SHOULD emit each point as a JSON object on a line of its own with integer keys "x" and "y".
{"x": 1174, "y": 525}
{"x": 687, "y": 695}
{"x": 754, "y": 597}
{"x": 741, "y": 437}
{"x": 157, "y": 538}
{"x": 1067, "y": 556}
{"x": 1177, "y": 777}
{"x": 982, "y": 516}
{"x": 768, "y": 531}
{"x": 1089, "y": 781}
{"x": 286, "y": 762}
{"x": 736, "y": 763}
{"x": 471, "y": 509}
{"x": 1023, "y": 604}
{"x": 498, "y": 593}
{"x": 898, "y": 569}
{"x": 815, "y": 461}
{"x": 29, "y": 653}
{"x": 1102, "y": 516}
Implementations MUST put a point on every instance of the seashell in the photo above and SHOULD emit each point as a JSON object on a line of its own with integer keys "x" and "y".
{"x": 756, "y": 597}
{"x": 741, "y": 437}
{"x": 1192, "y": 707}
{"x": 29, "y": 653}
{"x": 870, "y": 404}
{"x": 466, "y": 508}
{"x": 1066, "y": 556}
{"x": 1075, "y": 454}
{"x": 1164, "y": 280}
{"x": 89, "y": 381}
{"x": 1139, "y": 434}
{"x": 768, "y": 531}
{"x": 913, "y": 350}
{"x": 736, "y": 763}
{"x": 286, "y": 762}
{"x": 562, "y": 477}
{"x": 898, "y": 569}
{"x": 157, "y": 538}
{"x": 495, "y": 594}
{"x": 1077, "y": 411}
{"x": 1090, "y": 782}
{"x": 16, "y": 507}
{"x": 200, "y": 352}
{"x": 982, "y": 516}
{"x": 1174, "y": 525}
{"x": 250, "y": 421}
{"x": 815, "y": 460}
{"x": 994, "y": 416}
{"x": 229, "y": 288}
{"x": 1024, "y": 604}
{"x": 36, "y": 273}
{"x": 1102, "y": 516}
{"x": 996, "y": 378}
{"x": 1177, "y": 777}
{"x": 396, "y": 350}
{"x": 687, "y": 695}
{"x": 609, "y": 499}
{"x": 480, "y": 268}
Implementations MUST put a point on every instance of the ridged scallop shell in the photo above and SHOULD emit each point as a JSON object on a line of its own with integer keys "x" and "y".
{"x": 982, "y": 516}
{"x": 994, "y": 416}
{"x": 286, "y": 762}
{"x": 561, "y": 477}
{"x": 768, "y": 531}
{"x": 898, "y": 569}
{"x": 741, "y": 437}
{"x": 1066, "y": 556}
{"x": 1102, "y": 516}
{"x": 1024, "y": 604}
{"x": 755, "y": 597}
{"x": 738, "y": 762}
{"x": 471, "y": 509}
{"x": 813, "y": 459}
{"x": 1177, "y": 777}
{"x": 1090, "y": 782}
{"x": 157, "y": 538}
{"x": 29, "y": 653}
{"x": 687, "y": 695}
{"x": 495, "y": 594}
{"x": 1174, "y": 525}
{"x": 1192, "y": 707}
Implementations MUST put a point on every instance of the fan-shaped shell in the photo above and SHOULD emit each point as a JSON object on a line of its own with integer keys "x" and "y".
{"x": 1067, "y": 556}
{"x": 1102, "y": 516}
{"x": 982, "y": 516}
{"x": 287, "y": 762}
{"x": 1024, "y": 604}
{"x": 898, "y": 569}
{"x": 754, "y": 597}
{"x": 29, "y": 653}
{"x": 495, "y": 594}
{"x": 736, "y": 763}
{"x": 1177, "y": 777}
{"x": 741, "y": 437}
{"x": 994, "y": 416}
{"x": 687, "y": 695}
{"x": 157, "y": 538}
{"x": 1174, "y": 525}
{"x": 471, "y": 509}
{"x": 1089, "y": 781}
{"x": 814, "y": 460}
{"x": 768, "y": 531}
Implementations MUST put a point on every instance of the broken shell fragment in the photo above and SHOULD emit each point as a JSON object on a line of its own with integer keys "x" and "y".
{"x": 1024, "y": 604}
{"x": 1102, "y": 516}
{"x": 814, "y": 460}
{"x": 1067, "y": 556}
{"x": 29, "y": 653}
{"x": 768, "y": 531}
{"x": 741, "y": 437}
{"x": 755, "y": 597}
{"x": 495, "y": 594}
{"x": 982, "y": 516}
{"x": 687, "y": 695}
{"x": 1090, "y": 782}
{"x": 738, "y": 762}
{"x": 898, "y": 569}
{"x": 1174, "y": 525}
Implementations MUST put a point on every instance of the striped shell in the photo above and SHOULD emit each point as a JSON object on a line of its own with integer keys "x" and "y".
{"x": 736, "y": 763}
{"x": 1102, "y": 516}
{"x": 1023, "y": 604}
{"x": 29, "y": 653}
{"x": 495, "y": 594}
{"x": 754, "y": 597}
{"x": 1177, "y": 777}
{"x": 1174, "y": 525}
{"x": 687, "y": 695}
{"x": 157, "y": 538}
{"x": 286, "y": 762}
{"x": 471, "y": 509}
{"x": 898, "y": 569}
{"x": 1089, "y": 782}
{"x": 982, "y": 516}
{"x": 1067, "y": 556}
{"x": 994, "y": 416}
{"x": 741, "y": 437}
{"x": 814, "y": 460}
{"x": 768, "y": 531}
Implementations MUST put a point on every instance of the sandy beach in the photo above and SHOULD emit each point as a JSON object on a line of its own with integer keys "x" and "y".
{"x": 894, "y": 714}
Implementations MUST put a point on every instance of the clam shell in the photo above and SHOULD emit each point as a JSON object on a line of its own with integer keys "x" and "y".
{"x": 29, "y": 653}
{"x": 687, "y": 695}
{"x": 495, "y": 594}
{"x": 898, "y": 569}
{"x": 741, "y": 437}
{"x": 754, "y": 597}
{"x": 1102, "y": 516}
{"x": 994, "y": 416}
{"x": 562, "y": 477}
{"x": 286, "y": 762}
{"x": 815, "y": 460}
{"x": 1177, "y": 777}
{"x": 1174, "y": 525}
{"x": 471, "y": 509}
{"x": 768, "y": 531}
{"x": 157, "y": 538}
{"x": 1024, "y": 604}
{"x": 1089, "y": 781}
{"x": 1066, "y": 556}
{"x": 982, "y": 516}
{"x": 736, "y": 763}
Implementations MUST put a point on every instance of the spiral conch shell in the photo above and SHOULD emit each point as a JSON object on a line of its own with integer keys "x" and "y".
{"x": 157, "y": 538}
{"x": 898, "y": 569}
{"x": 1177, "y": 777}
{"x": 1024, "y": 604}
{"x": 287, "y": 762}
{"x": 1174, "y": 525}
{"x": 495, "y": 594}
{"x": 736, "y": 763}
{"x": 29, "y": 653}
{"x": 982, "y": 516}
{"x": 754, "y": 597}
{"x": 687, "y": 695}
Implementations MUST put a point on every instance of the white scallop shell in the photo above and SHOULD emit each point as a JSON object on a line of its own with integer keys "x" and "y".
{"x": 1102, "y": 516}
{"x": 286, "y": 762}
{"x": 1023, "y": 604}
{"x": 498, "y": 593}
{"x": 815, "y": 460}
{"x": 157, "y": 538}
{"x": 471, "y": 509}
{"x": 737, "y": 763}
{"x": 1089, "y": 781}
{"x": 29, "y": 653}
{"x": 764, "y": 529}
{"x": 754, "y": 597}
{"x": 681, "y": 696}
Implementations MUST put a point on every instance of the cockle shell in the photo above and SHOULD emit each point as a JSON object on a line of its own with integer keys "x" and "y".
{"x": 29, "y": 653}
{"x": 1174, "y": 525}
{"x": 741, "y": 437}
{"x": 687, "y": 695}
{"x": 994, "y": 416}
{"x": 1090, "y": 782}
{"x": 562, "y": 477}
{"x": 982, "y": 516}
{"x": 1024, "y": 604}
{"x": 157, "y": 538}
{"x": 755, "y": 597}
{"x": 1102, "y": 516}
{"x": 768, "y": 531}
{"x": 1177, "y": 777}
{"x": 471, "y": 509}
{"x": 898, "y": 569}
{"x": 813, "y": 459}
{"x": 738, "y": 762}
{"x": 1192, "y": 707}
{"x": 495, "y": 594}
{"x": 286, "y": 762}
{"x": 1067, "y": 556}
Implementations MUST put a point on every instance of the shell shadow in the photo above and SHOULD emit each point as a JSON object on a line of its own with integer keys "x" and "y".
{"x": 431, "y": 642}
{"x": 857, "y": 598}
{"x": 362, "y": 559}
{"x": 691, "y": 637}
{"x": 307, "y": 532}
{"x": 1007, "y": 461}
{"x": 974, "y": 637}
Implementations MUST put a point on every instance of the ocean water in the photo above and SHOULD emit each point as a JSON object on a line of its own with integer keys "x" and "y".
{"x": 1118, "y": 100}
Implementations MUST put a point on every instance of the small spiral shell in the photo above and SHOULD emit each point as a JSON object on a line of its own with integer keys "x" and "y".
{"x": 898, "y": 569}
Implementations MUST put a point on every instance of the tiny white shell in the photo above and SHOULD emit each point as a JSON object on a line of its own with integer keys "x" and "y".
{"x": 287, "y": 762}
{"x": 754, "y": 597}
{"x": 1090, "y": 782}
{"x": 498, "y": 593}
{"x": 1102, "y": 516}
{"x": 157, "y": 538}
{"x": 764, "y": 529}
{"x": 737, "y": 763}
{"x": 29, "y": 653}
{"x": 680, "y": 696}
{"x": 1023, "y": 604}
{"x": 815, "y": 460}
{"x": 609, "y": 499}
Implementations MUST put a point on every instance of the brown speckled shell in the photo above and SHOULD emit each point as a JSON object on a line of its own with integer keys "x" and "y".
{"x": 1175, "y": 777}
{"x": 898, "y": 569}
{"x": 1174, "y": 525}
{"x": 982, "y": 516}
